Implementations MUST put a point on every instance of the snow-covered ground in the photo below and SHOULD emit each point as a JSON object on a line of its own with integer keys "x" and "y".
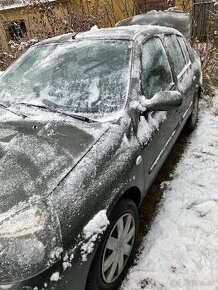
{"x": 181, "y": 249}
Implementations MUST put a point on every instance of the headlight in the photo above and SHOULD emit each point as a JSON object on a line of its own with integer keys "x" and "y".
{"x": 22, "y": 224}
{"x": 30, "y": 242}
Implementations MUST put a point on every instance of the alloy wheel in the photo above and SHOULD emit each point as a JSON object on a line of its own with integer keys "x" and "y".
{"x": 118, "y": 248}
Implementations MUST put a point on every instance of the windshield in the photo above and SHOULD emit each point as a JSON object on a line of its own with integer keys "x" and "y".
{"x": 86, "y": 77}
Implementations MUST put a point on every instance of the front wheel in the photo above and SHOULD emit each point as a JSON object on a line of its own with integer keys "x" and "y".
{"x": 115, "y": 251}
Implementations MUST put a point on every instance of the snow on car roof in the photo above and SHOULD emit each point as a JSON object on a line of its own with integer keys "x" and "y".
{"x": 122, "y": 33}
{"x": 125, "y": 32}
{"x": 178, "y": 20}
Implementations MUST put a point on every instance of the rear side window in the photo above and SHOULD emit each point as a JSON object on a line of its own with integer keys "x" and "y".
{"x": 175, "y": 53}
{"x": 184, "y": 49}
{"x": 156, "y": 72}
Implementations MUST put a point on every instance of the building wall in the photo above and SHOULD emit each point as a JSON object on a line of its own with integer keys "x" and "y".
{"x": 63, "y": 16}
{"x": 39, "y": 22}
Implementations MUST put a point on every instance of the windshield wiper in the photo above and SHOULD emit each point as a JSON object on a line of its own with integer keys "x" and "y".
{"x": 72, "y": 115}
{"x": 9, "y": 110}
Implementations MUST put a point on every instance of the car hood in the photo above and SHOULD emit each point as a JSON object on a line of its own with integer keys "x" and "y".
{"x": 35, "y": 156}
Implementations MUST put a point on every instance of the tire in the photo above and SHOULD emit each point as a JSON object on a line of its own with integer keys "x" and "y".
{"x": 193, "y": 118}
{"x": 109, "y": 276}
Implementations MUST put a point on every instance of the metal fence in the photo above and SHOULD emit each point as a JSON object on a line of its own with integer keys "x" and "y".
{"x": 205, "y": 20}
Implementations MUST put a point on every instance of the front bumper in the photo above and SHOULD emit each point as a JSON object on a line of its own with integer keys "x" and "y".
{"x": 74, "y": 278}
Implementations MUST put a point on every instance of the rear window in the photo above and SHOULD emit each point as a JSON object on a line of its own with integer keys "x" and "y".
{"x": 184, "y": 49}
{"x": 175, "y": 53}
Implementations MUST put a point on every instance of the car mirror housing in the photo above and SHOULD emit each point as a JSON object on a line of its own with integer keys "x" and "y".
{"x": 164, "y": 101}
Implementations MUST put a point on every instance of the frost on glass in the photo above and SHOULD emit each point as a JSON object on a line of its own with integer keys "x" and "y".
{"x": 84, "y": 77}
{"x": 30, "y": 242}
{"x": 175, "y": 53}
{"x": 184, "y": 49}
{"x": 156, "y": 72}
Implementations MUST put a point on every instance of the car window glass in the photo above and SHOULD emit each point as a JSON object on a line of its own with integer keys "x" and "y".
{"x": 88, "y": 77}
{"x": 156, "y": 72}
{"x": 184, "y": 49}
{"x": 175, "y": 52}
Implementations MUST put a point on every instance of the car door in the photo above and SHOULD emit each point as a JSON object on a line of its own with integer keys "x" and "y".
{"x": 156, "y": 76}
{"x": 181, "y": 64}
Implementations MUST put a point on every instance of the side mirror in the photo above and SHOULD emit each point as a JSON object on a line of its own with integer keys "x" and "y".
{"x": 164, "y": 101}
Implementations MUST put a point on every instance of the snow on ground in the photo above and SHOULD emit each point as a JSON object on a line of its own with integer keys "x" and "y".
{"x": 181, "y": 248}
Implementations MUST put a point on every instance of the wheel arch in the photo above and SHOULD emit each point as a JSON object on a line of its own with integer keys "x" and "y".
{"x": 123, "y": 205}
{"x": 134, "y": 194}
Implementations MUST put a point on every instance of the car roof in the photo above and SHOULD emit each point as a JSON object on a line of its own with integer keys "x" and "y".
{"x": 125, "y": 32}
{"x": 177, "y": 19}
{"x": 115, "y": 33}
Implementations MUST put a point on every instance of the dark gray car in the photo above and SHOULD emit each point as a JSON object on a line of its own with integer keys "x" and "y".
{"x": 87, "y": 121}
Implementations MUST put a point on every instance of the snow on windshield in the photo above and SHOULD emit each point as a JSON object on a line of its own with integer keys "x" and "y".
{"x": 82, "y": 77}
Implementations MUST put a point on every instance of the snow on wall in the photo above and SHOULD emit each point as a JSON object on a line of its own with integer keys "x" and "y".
{"x": 13, "y": 4}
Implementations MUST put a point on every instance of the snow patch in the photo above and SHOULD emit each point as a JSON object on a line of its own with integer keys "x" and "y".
{"x": 97, "y": 225}
{"x": 4, "y": 287}
{"x": 95, "y": 27}
{"x": 55, "y": 277}
{"x": 19, "y": 3}
{"x": 91, "y": 232}
{"x": 146, "y": 127}
{"x": 66, "y": 265}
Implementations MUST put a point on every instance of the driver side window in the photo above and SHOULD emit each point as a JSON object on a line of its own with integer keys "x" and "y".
{"x": 156, "y": 72}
